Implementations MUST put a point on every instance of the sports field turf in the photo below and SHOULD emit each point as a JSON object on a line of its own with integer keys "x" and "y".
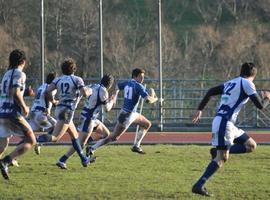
{"x": 165, "y": 172}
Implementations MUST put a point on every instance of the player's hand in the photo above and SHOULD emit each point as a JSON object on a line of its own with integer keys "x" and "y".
{"x": 152, "y": 93}
{"x": 266, "y": 94}
{"x": 55, "y": 102}
{"x": 113, "y": 98}
{"x": 197, "y": 116}
{"x": 25, "y": 111}
{"x": 29, "y": 92}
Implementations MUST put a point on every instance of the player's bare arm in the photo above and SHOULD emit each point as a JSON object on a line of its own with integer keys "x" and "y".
{"x": 86, "y": 91}
{"x": 109, "y": 105}
{"x": 152, "y": 97}
{"x": 19, "y": 99}
{"x": 197, "y": 116}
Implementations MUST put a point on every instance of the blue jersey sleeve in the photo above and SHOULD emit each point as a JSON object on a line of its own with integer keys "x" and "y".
{"x": 142, "y": 90}
{"x": 121, "y": 85}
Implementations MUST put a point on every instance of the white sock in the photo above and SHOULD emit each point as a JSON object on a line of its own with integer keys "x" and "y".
{"x": 139, "y": 137}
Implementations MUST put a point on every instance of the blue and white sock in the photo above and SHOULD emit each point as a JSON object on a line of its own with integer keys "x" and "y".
{"x": 77, "y": 146}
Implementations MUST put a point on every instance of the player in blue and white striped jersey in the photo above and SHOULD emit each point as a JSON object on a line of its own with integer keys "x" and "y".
{"x": 40, "y": 117}
{"x": 89, "y": 116}
{"x": 227, "y": 138}
{"x": 133, "y": 90}
{"x": 70, "y": 89}
{"x": 13, "y": 110}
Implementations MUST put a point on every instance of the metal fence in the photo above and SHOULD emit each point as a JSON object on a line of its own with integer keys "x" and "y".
{"x": 181, "y": 98}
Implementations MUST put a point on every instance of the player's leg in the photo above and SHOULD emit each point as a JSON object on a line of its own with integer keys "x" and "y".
{"x": 40, "y": 121}
{"x": 64, "y": 117}
{"x": 3, "y": 145}
{"x": 4, "y": 141}
{"x": 123, "y": 122}
{"x": 242, "y": 143}
{"x": 213, "y": 166}
{"x": 72, "y": 131}
{"x": 144, "y": 124}
{"x": 119, "y": 129}
{"x": 21, "y": 127}
{"x": 59, "y": 130}
{"x": 29, "y": 138}
{"x": 61, "y": 163}
{"x": 221, "y": 133}
{"x": 101, "y": 132}
{"x": 86, "y": 131}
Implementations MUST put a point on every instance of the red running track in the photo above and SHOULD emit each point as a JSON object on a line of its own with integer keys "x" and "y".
{"x": 172, "y": 138}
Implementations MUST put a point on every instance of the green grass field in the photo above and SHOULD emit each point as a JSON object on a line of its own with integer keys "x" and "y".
{"x": 165, "y": 172}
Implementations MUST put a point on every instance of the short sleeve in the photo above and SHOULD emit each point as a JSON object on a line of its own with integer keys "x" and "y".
{"x": 19, "y": 80}
{"x": 103, "y": 95}
{"x": 249, "y": 87}
{"x": 142, "y": 90}
{"x": 80, "y": 82}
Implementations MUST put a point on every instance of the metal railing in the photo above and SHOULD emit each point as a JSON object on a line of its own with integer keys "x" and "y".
{"x": 181, "y": 98}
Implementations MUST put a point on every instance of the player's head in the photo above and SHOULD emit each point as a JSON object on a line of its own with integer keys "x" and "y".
{"x": 248, "y": 70}
{"x": 68, "y": 66}
{"x": 138, "y": 74}
{"x": 16, "y": 58}
{"x": 50, "y": 77}
{"x": 107, "y": 80}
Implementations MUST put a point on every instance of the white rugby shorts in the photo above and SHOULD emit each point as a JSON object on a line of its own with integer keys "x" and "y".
{"x": 85, "y": 123}
{"x": 224, "y": 132}
{"x": 127, "y": 118}
{"x": 39, "y": 120}
{"x": 13, "y": 126}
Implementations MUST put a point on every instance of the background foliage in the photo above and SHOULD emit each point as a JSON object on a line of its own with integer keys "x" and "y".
{"x": 202, "y": 39}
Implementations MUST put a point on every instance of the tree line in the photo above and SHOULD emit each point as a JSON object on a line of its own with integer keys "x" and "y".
{"x": 202, "y": 39}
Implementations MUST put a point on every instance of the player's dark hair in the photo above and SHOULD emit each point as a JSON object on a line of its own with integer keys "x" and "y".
{"x": 107, "y": 80}
{"x": 248, "y": 69}
{"x": 136, "y": 72}
{"x": 50, "y": 77}
{"x": 68, "y": 66}
{"x": 16, "y": 58}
